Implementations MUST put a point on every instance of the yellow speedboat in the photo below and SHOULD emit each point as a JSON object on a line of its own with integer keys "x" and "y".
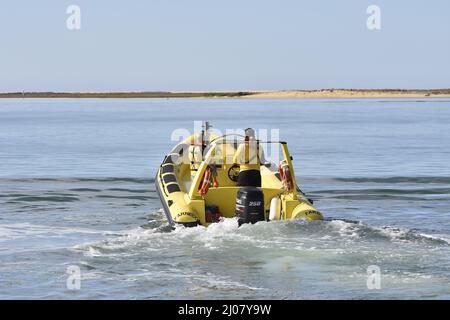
{"x": 196, "y": 183}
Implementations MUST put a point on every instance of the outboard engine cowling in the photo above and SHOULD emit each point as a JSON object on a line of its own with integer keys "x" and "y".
{"x": 250, "y": 205}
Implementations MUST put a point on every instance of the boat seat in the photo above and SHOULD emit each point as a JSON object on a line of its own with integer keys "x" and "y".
{"x": 224, "y": 198}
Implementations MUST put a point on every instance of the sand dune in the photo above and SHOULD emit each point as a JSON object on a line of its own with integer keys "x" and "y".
{"x": 349, "y": 93}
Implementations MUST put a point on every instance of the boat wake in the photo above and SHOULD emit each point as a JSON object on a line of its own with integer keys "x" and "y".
{"x": 276, "y": 235}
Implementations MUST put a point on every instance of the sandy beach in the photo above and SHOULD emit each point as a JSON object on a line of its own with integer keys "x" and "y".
{"x": 349, "y": 93}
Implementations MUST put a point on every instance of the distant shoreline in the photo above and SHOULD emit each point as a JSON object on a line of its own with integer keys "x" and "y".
{"x": 280, "y": 94}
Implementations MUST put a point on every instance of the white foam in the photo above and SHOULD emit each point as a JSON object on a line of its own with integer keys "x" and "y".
{"x": 28, "y": 230}
{"x": 212, "y": 238}
{"x": 336, "y": 235}
{"x": 345, "y": 229}
{"x": 130, "y": 238}
{"x": 406, "y": 235}
{"x": 200, "y": 281}
{"x": 438, "y": 237}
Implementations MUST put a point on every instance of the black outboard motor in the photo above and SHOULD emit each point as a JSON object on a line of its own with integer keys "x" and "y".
{"x": 249, "y": 205}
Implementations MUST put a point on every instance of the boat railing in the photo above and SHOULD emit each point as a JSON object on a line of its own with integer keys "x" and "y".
{"x": 208, "y": 159}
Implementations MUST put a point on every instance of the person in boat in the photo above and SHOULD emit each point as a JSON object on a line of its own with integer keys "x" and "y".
{"x": 249, "y": 156}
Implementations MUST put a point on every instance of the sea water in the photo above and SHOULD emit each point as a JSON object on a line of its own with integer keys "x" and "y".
{"x": 77, "y": 191}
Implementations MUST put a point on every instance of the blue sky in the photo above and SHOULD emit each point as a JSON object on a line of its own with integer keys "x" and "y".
{"x": 223, "y": 45}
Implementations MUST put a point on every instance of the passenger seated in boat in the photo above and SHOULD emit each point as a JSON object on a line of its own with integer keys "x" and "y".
{"x": 249, "y": 156}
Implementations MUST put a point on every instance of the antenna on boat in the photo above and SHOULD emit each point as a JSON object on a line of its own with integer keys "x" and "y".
{"x": 205, "y": 128}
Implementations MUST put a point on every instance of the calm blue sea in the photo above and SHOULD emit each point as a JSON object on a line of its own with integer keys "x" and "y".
{"x": 77, "y": 190}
